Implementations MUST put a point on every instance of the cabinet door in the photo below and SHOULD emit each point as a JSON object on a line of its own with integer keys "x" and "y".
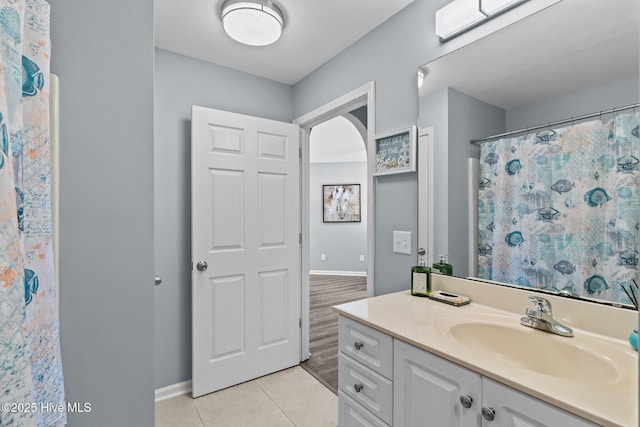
{"x": 513, "y": 408}
{"x": 427, "y": 390}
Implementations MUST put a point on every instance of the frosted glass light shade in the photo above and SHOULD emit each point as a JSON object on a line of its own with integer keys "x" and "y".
{"x": 493, "y": 7}
{"x": 457, "y": 16}
{"x": 254, "y": 23}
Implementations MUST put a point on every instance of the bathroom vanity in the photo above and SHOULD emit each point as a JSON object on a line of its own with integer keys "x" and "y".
{"x": 409, "y": 361}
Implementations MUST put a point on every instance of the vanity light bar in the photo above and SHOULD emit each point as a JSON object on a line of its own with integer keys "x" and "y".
{"x": 495, "y": 7}
{"x": 460, "y": 16}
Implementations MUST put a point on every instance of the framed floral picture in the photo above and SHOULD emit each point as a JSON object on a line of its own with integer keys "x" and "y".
{"x": 341, "y": 203}
{"x": 395, "y": 152}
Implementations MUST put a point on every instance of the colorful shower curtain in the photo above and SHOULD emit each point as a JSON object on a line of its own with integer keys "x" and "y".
{"x": 31, "y": 382}
{"x": 559, "y": 209}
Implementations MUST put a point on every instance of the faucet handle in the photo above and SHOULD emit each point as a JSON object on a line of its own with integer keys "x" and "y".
{"x": 541, "y": 303}
{"x": 540, "y": 317}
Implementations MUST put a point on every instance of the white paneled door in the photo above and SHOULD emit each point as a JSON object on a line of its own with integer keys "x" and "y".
{"x": 245, "y": 191}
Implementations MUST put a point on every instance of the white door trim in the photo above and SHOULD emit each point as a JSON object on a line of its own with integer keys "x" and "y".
{"x": 425, "y": 184}
{"x": 364, "y": 95}
{"x": 360, "y": 127}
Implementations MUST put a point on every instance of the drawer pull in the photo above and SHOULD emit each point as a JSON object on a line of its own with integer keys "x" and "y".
{"x": 488, "y": 413}
{"x": 358, "y": 345}
{"x": 466, "y": 401}
{"x": 358, "y": 387}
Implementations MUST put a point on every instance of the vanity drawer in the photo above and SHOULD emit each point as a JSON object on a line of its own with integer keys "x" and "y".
{"x": 370, "y": 389}
{"x": 351, "y": 414}
{"x": 372, "y": 348}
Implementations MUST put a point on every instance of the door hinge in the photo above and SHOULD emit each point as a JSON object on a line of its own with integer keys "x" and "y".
{"x": 299, "y": 152}
{"x": 299, "y": 237}
{"x": 191, "y": 265}
{"x": 300, "y": 322}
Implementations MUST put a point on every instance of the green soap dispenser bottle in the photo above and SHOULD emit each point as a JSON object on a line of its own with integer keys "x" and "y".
{"x": 420, "y": 280}
{"x": 443, "y": 267}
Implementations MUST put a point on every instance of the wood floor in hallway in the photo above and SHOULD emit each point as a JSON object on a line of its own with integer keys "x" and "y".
{"x": 325, "y": 292}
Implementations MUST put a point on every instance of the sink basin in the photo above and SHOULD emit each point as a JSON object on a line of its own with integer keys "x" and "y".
{"x": 537, "y": 351}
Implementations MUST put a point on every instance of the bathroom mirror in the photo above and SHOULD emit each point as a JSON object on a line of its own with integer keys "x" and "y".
{"x": 571, "y": 59}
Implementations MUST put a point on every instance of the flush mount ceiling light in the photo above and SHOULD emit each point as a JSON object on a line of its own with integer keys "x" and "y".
{"x": 254, "y": 23}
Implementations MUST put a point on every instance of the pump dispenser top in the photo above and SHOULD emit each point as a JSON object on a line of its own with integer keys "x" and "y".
{"x": 443, "y": 267}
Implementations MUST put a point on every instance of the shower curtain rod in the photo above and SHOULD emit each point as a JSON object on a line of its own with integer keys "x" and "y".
{"x": 559, "y": 122}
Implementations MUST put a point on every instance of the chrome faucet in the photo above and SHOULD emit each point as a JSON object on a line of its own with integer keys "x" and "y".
{"x": 541, "y": 318}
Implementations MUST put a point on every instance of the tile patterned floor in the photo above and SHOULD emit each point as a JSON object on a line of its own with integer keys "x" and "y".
{"x": 287, "y": 398}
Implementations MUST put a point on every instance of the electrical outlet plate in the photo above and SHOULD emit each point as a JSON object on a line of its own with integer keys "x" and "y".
{"x": 402, "y": 242}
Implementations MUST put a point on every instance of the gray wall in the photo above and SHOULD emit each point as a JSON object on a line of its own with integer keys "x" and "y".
{"x": 434, "y": 112}
{"x": 342, "y": 243}
{"x": 468, "y": 117}
{"x": 181, "y": 82}
{"x": 102, "y": 52}
{"x": 456, "y": 118}
{"x": 390, "y": 55}
{"x": 616, "y": 94}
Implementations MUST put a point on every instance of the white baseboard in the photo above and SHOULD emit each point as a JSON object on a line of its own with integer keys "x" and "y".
{"x": 173, "y": 390}
{"x": 338, "y": 273}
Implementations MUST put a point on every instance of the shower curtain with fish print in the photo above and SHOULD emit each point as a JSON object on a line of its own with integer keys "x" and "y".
{"x": 559, "y": 209}
{"x": 31, "y": 381}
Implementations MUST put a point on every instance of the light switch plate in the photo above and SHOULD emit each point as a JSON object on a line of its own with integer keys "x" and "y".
{"x": 402, "y": 242}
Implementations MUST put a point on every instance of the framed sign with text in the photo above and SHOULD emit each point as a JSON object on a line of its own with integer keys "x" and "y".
{"x": 395, "y": 152}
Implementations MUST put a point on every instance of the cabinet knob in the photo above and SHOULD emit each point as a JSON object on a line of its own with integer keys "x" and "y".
{"x": 358, "y": 387}
{"x": 466, "y": 401}
{"x": 358, "y": 345}
{"x": 488, "y": 414}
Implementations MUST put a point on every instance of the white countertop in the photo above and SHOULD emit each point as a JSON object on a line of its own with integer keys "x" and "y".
{"x": 425, "y": 323}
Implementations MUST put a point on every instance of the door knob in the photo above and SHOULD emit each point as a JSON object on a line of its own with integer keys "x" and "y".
{"x": 421, "y": 252}
{"x": 157, "y": 280}
{"x": 201, "y": 265}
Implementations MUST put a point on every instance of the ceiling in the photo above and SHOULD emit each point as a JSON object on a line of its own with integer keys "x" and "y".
{"x": 315, "y": 31}
{"x": 570, "y": 46}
